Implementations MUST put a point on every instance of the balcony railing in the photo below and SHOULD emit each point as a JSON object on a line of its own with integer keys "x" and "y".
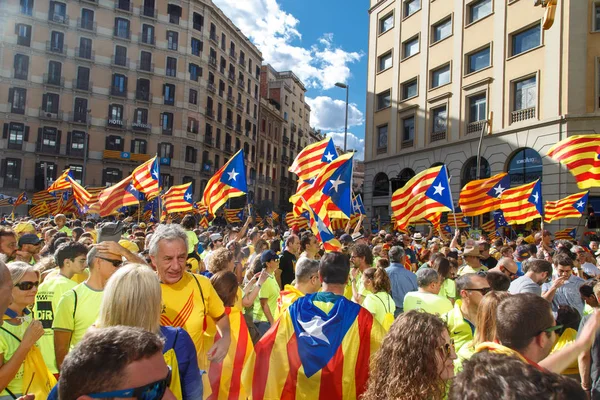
{"x": 125, "y": 156}
{"x": 55, "y": 48}
{"x": 210, "y": 114}
{"x": 261, "y": 179}
{"x": 147, "y": 40}
{"x": 50, "y": 116}
{"x": 292, "y": 145}
{"x": 522, "y": 115}
{"x": 242, "y": 62}
{"x": 238, "y": 128}
{"x": 145, "y": 67}
{"x": 241, "y": 84}
{"x": 286, "y": 141}
{"x": 211, "y": 87}
{"x": 141, "y": 95}
{"x": 212, "y": 62}
{"x": 293, "y": 127}
{"x": 141, "y": 126}
{"x": 58, "y": 19}
{"x": 268, "y": 158}
{"x": 115, "y": 91}
{"x": 85, "y": 53}
{"x": 439, "y": 135}
{"x": 118, "y": 61}
{"x": 475, "y": 127}
{"x": 78, "y": 118}
{"x": 228, "y": 148}
{"x": 300, "y": 132}
{"x": 148, "y": 12}
{"x": 116, "y": 123}
{"x": 122, "y": 34}
{"x": 407, "y": 144}
{"x": 52, "y": 80}
{"x": 229, "y": 123}
{"x": 239, "y": 106}
{"x": 86, "y": 25}
{"x": 213, "y": 38}
{"x": 233, "y": 54}
{"x": 231, "y": 76}
{"x": 84, "y": 86}
{"x": 208, "y": 140}
{"x": 124, "y": 6}
{"x": 230, "y": 99}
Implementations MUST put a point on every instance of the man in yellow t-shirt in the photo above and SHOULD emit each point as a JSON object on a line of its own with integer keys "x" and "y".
{"x": 306, "y": 282}
{"x": 71, "y": 259}
{"x": 188, "y": 299}
{"x": 426, "y": 298}
{"x": 265, "y": 304}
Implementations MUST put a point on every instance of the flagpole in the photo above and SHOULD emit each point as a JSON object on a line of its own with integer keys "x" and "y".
{"x": 451, "y": 199}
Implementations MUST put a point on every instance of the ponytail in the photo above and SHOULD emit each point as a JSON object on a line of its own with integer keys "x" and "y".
{"x": 380, "y": 278}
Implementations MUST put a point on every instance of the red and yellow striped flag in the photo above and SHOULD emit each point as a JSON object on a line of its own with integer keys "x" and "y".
{"x": 312, "y": 158}
{"x": 483, "y": 195}
{"x": 94, "y": 192}
{"x": 299, "y": 222}
{"x": 523, "y": 203}
{"x": 145, "y": 178}
{"x": 115, "y": 197}
{"x": 178, "y": 198}
{"x": 228, "y": 182}
{"x": 62, "y": 183}
{"x": 41, "y": 197}
{"x": 81, "y": 195}
{"x": 22, "y": 199}
{"x": 203, "y": 222}
{"x": 39, "y": 210}
{"x": 461, "y": 220}
{"x": 579, "y": 153}
{"x": 572, "y": 206}
{"x": 489, "y": 226}
{"x": 566, "y": 234}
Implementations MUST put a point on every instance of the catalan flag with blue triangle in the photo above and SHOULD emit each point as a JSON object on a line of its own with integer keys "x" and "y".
{"x": 319, "y": 348}
{"x": 234, "y": 215}
{"x": 572, "y": 206}
{"x": 523, "y": 203}
{"x": 566, "y": 234}
{"x": 22, "y": 199}
{"x": 228, "y": 182}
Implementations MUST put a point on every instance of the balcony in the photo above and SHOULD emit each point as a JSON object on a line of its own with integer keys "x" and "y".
{"x": 407, "y": 144}
{"x": 86, "y": 25}
{"x": 229, "y": 124}
{"x": 240, "y": 106}
{"x": 147, "y": 40}
{"x": 269, "y": 180}
{"x": 241, "y": 84}
{"x": 522, "y": 115}
{"x": 56, "y": 49}
{"x": 268, "y": 158}
{"x": 81, "y": 85}
{"x": 144, "y": 96}
{"x": 148, "y": 12}
{"x": 125, "y": 156}
{"x": 95, "y": 2}
{"x": 124, "y": 6}
{"x": 212, "y": 62}
{"x": 78, "y": 118}
{"x": 230, "y": 99}
{"x": 292, "y": 145}
{"x": 233, "y": 55}
{"x": 119, "y": 62}
{"x": 242, "y": 62}
{"x": 261, "y": 179}
{"x": 50, "y": 116}
{"x": 475, "y": 127}
{"x": 116, "y": 123}
{"x": 122, "y": 34}
{"x": 208, "y": 140}
{"x": 213, "y": 38}
{"x": 84, "y": 53}
{"x": 210, "y": 114}
{"x": 145, "y": 67}
{"x": 231, "y": 77}
{"x": 211, "y": 87}
{"x": 228, "y": 148}
{"x": 141, "y": 126}
{"x": 300, "y": 132}
{"x": 261, "y": 154}
{"x": 117, "y": 92}
{"x": 167, "y": 130}
{"x": 58, "y": 19}
{"x": 206, "y": 168}
{"x": 238, "y": 128}
{"x": 439, "y": 135}
{"x": 293, "y": 127}
{"x": 52, "y": 80}
{"x": 286, "y": 141}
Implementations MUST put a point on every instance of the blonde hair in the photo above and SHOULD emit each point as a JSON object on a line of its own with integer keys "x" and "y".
{"x": 132, "y": 297}
{"x": 18, "y": 269}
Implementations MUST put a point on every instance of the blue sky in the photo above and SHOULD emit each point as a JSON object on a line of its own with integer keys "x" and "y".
{"x": 321, "y": 41}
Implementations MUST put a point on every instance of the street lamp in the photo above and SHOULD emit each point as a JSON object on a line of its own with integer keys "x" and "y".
{"x": 344, "y": 86}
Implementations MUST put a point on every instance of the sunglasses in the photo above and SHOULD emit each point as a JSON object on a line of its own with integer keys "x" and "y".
{"x": 152, "y": 391}
{"x": 447, "y": 348}
{"x": 27, "y": 285}
{"x": 483, "y": 291}
{"x": 115, "y": 263}
{"x": 551, "y": 329}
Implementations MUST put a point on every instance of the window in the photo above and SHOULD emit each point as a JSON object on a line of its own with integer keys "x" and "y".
{"x": 171, "y": 69}
{"x": 526, "y": 40}
{"x": 85, "y": 48}
{"x": 477, "y": 108}
{"x": 11, "y": 170}
{"x": 596, "y": 17}
{"x": 442, "y": 30}
{"x": 411, "y": 7}
{"x": 76, "y": 143}
{"x": 16, "y": 135}
{"x": 120, "y": 56}
{"x": 57, "y": 12}
{"x": 385, "y": 61}
{"x": 410, "y": 47}
{"x": 49, "y": 141}
{"x": 196, "y": 47}
{"x": 26, "y": 7}
{"x": 115, "y": 116}
{"x": 138, "y": 146}
{"x": 198, "y": 22}
{"x": 479, "y": 9}
{"x": 83, "y": 78}
{"x": 146, "y": 61}
{"x": 147, "y": 34}
{"x": 122, "y": 28}
{"x": 166, "y": 123}
{"x": 124, "y": 5}
{"x": 381, "y": 185}
{"x": 193, "y": 96}
{"x": 174, "y": 13}
{"x": 172, "y": 40}
{"x": 17, "y": 98}
{"x": 440, "y": 119}
{"x": 192, "y": 125}
{"x": 56, "y": 41}
{"x": 408, "y": 129}
{"x": 143, "y": 90}
{"x": 50, "y": 103}
{"x": 525, "y": 94}
{"x": 115, "y": 143}
{"x": 469, "y": 172}
{"x": 525, "y": 166}
{"x": 410, "y": 89}
{"x": 169, "y": 94}
{"x": 76, "y": 172}
{"x": 191, "y": 154}
{"x": 119, "y": 85}
{"x": 45, "y": 173}
{"x": 386, "y": 23}
{"x": 23, "y": 33}
{"x": 165, "y": 150}
{"x": 440, "y": 76}
{"x": 87, "y": 19}
{"x": 111, "y": 176}
{"x": 195, "y": 72}
{"x": 478, "y": 60}
{"x": 80, "y": 108}
{"x": 54, "y": 73}
{"x": 383, "y": 99}
{"x": 140, "y": 119}
{"x": 223, "y": 41}
{"x": 382, "y": 137}
{"x": 21, "y": 66}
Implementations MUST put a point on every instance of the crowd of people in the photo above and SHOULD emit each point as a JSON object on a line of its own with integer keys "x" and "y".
{"x": 123, "y": 309}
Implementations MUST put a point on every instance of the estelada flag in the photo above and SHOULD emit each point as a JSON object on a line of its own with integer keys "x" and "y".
{"x": 319, "y": 348}
{"x": 42, "y": 196}
{"x": 566, "y": 234}
{"x": 461, "y": 220}
{"x": 572, "y": 206}
{"x": 178, "y": 198}
{"x": 228, "y": 182}
{"x": 312, "y": 158}
{"x": 39, "y": 210}
{"x": 523, "y": 203}
{"x": 225, "y": 377}
{"x": 579, "y": 153}
{"x": 483, "y": 195}
{"x": 116, "y": 196}
{"x": 62, "y": 183}
{"x": 145, "y": 178}
{"x": 489, "y": 226}
{"x": 22, "y": 199}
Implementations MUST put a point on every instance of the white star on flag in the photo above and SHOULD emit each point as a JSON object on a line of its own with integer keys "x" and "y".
{"x": 329, "y": 157}
{"x": 439, "y": 189}
{"x": 337, "y": 182}
{"x": 499, "y": 190}
{"x": 580, "y": 204}
{"x": 233, "y": 175}
{"x": 536, "y": 197}
{"x": 155, "y": 172}
{"x": 188, "y": 196}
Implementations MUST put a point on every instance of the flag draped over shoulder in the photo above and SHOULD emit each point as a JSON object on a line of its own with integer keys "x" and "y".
{"x": 483, "y": 195}
{"x": 145, "y": 178}
{"x": 312, "y": 354}
{"x": 572, "y": 206}
{"x": 523, "y": 203}
{"x": 579, "y": 153}
{"x": 178, "y": 198}
{"x": 424, "y": 195}
{"x": 228, "y": 182}
{"x": 312, "y": 158}
{"x": 117, "y": 196}
{"x": 566, "y": 234}
{"x": 62, "y": 183}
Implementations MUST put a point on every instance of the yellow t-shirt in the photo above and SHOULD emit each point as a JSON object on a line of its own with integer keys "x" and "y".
{"x": 448, "y": 289}
{"x": 77, "y": 320}
{"x": 270, "y": 291}
{"x": 77, "y": 278}
{"x": 8, "y": 347}
{"x": 379, "y": 304}
{"x": 183, "y": 306}
{"x": 46, "y": 303}
{"x": 192, "y": 241}
{"x": 428, "y": 302}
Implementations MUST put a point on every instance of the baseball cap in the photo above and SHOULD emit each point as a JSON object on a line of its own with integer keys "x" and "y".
{"x": 523, "y": 252}
{"x": 590, "y": 269}
{"x": 268, "y": 255}
{"x": 215, "y": 237}
{"x": 29, "y": 238}
{"x": 346, "y": 238}
{"x": 110, "y": 232}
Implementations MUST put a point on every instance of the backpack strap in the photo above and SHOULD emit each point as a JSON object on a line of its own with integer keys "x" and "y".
{"x": 387, "y": 310}
{"x": 75, "y": 304}
{"x": 10, "y": 333}
{"x": 201, "y": 292}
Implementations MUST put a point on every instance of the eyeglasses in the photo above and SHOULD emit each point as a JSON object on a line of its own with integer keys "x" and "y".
{"x": 551, "y": 329}
{"x": 483, "y": 291}
{"x": 447, "y": 348}
{"x": 152, "y": 391}
{"x": 510, "y": 274}
{"x": 27, "y": 285}
{"x": 115, "y": 263}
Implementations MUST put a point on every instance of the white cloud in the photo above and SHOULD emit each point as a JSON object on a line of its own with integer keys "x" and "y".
{"x": 353, "y": 143}
{"x": 274, "y": 32}
{"x": 329, "y": 115}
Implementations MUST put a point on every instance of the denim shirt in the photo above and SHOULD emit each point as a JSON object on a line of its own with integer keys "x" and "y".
{"x": 403, "y": 281}
{"x": 567, "y": 294}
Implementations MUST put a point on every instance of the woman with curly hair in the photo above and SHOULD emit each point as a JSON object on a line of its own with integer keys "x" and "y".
{"x": 415, "y": 360}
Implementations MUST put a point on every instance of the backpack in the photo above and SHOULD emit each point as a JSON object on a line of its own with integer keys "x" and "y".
{"x": 388, "y": 319}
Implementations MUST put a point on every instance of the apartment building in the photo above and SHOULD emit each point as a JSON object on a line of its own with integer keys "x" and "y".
{"x": 132, "y": 78}
{"x": 441, "y": 73}
{"x": 284, "y": 129}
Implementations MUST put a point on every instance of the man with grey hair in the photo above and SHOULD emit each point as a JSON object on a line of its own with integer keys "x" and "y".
{"x": 426, "y": 298}
{"x": 402, "y": 280}
{"x": 188, "y": 299}
{"x": 306, "y": 282}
